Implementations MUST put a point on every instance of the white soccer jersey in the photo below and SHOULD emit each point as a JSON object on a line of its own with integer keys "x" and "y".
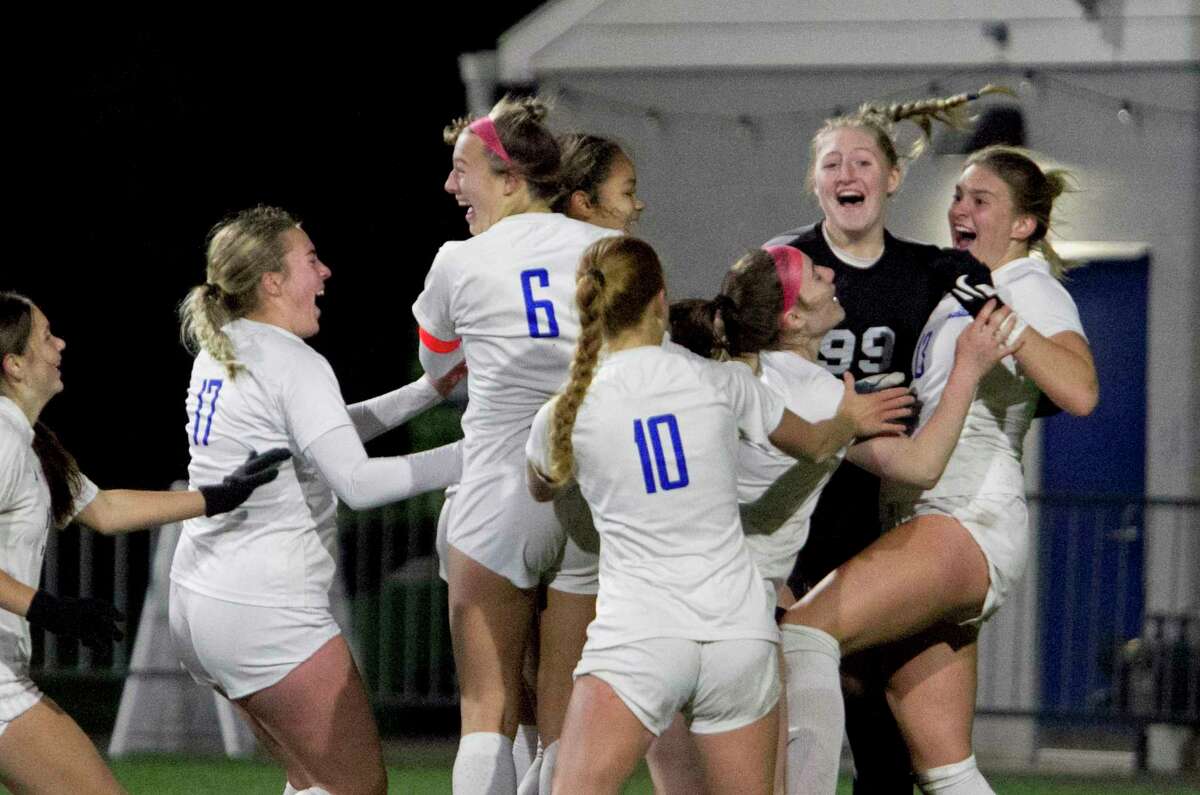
{"x": 987, "y": 458}
{"x": 277, "y": 549}
{"x": 25, "y": 521}
{"x": 509, "y": 295}
{"x": 777, "y": 492}
{"x": 656, "y": 449}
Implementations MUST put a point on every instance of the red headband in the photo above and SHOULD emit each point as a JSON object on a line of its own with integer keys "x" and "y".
{"x": 485, "y": 128}
{"x": 789, "y": 266}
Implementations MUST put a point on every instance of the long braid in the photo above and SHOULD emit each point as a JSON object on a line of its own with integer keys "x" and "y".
{"x": 950, "y": 111}
{"x": 583, "y": 366}
{"x": 618, "y": 279}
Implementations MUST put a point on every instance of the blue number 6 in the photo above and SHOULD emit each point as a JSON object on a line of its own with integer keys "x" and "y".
{"x": 532, "y": 306}
{"x": 660, "y": 459}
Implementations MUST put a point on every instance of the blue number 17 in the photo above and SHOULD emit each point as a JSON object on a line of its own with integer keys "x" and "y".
{"x": 211, "y": 386}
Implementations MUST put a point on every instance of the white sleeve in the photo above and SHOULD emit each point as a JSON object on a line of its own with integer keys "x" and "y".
{"x": 432, "y": 308}
{"x": 392, "y": 409}
{"x": 440, "y": 349}
{"x": 82, "y": 497}
{"x": 436, "y": 360}
{"x": 537, "y": 446}
{"x": 758, "y": 407}
{"x": 1043, "y": 303}
{"x": 311, "y": 401}
{"x": 363, "y": 482}
{"x": 9, "y": 455}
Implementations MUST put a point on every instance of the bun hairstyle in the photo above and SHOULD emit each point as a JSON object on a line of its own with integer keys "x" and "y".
{"x": 742, "y": 320}
{"x": 1033, "y": 193}
{"x": 531, "y": 150}
{"x": 618, "y": 279}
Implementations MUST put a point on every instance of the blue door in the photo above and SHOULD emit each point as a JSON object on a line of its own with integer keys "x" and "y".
{"x": 1091, "y": 550}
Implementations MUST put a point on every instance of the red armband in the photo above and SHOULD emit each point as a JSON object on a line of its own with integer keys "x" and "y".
{"x": 434, "y": 344}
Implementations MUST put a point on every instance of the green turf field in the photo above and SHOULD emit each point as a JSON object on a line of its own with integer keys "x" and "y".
{"x": 162, "y": 775}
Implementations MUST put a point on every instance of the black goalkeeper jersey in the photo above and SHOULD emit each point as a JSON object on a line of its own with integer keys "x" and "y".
{"x": 886, "y": 307}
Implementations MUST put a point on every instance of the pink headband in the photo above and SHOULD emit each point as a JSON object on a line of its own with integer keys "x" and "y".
{"x": 789, "y": 266}
{"x": 485, "y": 128}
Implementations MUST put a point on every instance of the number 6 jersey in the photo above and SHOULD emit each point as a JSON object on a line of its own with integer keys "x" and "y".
{"x": 509, "y": 295}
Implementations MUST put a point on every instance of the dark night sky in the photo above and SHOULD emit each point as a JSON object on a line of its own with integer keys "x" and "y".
{"x": 129, "y": 146}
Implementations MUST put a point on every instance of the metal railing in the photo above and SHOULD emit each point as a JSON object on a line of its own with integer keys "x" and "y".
{"x": 1105, "y": 626}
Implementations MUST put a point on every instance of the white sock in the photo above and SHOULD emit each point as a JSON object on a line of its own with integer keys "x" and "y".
{"x": 484, "y": 765}
{"x": 816, "y": 713}
{"x": 310, "y": 791}
{"x": 546, "y": 775}
{"x": 525, "y": 748}
{"x": 288, "y": 789}
{"x": 530, "y": 782}
{"x": 960, "y": 778}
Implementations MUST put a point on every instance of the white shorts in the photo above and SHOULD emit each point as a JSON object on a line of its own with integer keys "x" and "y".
{"x": 17, "y": 698}
{"x": 241, "y": 649}
{"x": 719, "y": 685}
{"x": 579, "y": 572}
{"x": 496, "y": 523}
{"x": 441, "y": 542}
{"x": 999, "y": 524}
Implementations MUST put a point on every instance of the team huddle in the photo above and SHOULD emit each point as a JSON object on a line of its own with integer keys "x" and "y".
{"x": 672, "y": 530}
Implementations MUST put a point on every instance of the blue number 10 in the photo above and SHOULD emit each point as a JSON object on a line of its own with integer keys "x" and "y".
{"x": 211, "y": 386}
{"x": 651, "y": 429}
{"x": 532, "y": 306}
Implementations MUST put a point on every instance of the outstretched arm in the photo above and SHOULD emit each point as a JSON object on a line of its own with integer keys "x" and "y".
{"x": 920, "y": 460}
{"x": 392, "y": 409}
{"x": 363, "y": 482}
{"x": 114, "y": 511}
{"x": 857, "y": 416}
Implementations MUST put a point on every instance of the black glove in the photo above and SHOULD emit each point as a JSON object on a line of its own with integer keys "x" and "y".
{"x": 967, "y": 278}
{"x": 93, "y": 621}
{"x": 237, "y": 486}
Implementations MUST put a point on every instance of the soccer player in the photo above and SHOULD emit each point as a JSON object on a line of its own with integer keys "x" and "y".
{"x": 249, "y": 609}
{"x": 887, "y": 288}
{"x": 41, "y": 748}
{"x": 682, "y": 617}
{"x": 957, "y": 548}
{"x": 504, "y": 296}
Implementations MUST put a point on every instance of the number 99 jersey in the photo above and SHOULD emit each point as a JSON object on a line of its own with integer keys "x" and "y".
{"x": 886, "y": 304}
{"x": 509, "y": 295}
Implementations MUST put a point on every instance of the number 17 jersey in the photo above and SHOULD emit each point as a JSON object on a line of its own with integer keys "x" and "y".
{"x": 509, "y": 295}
